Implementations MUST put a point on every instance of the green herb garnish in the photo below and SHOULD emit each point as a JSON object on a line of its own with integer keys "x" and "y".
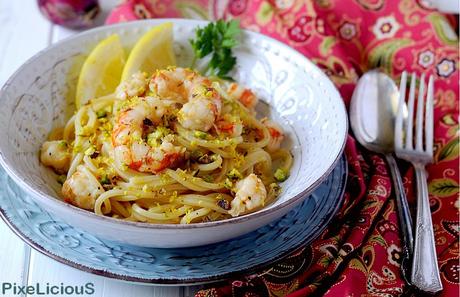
{"x": 217, "y": 39}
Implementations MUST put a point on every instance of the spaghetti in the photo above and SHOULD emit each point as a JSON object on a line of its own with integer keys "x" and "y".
{"x": 172, "y": 148}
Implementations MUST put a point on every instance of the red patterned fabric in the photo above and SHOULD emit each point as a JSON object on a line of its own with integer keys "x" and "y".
{"x": 359, "y": 253}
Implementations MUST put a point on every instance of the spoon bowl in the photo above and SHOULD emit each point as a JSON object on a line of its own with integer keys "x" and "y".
{"x": 373, "y": 110}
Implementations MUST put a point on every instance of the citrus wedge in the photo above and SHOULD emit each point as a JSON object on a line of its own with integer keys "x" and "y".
{"x": 154, "y": 50}
{"x": 101, "y": 71}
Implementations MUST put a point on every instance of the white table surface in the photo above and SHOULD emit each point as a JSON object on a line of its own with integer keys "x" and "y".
{"x": 24, "y": 32}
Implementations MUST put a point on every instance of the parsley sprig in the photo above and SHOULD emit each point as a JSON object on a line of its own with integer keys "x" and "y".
{"x": 217, "y": 39}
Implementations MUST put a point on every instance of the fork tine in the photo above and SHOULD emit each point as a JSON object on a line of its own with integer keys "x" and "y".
{"x": 410, "y": 117}
{"x": 429, "y": 117}
{"x": 419, "y": 120}
{"x": 399, "y": 115}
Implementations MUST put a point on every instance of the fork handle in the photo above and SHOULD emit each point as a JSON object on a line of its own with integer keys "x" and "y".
{"x": 404, "y": 217}
{"x": 425, "y": 271}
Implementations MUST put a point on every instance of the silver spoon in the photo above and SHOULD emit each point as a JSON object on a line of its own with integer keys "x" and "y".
{"x": 373, "y": 111}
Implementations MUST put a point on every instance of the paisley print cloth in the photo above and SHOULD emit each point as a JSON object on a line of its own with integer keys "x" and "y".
{"x": 360, "y": 253}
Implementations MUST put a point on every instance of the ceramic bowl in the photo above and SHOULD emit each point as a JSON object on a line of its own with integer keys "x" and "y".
{"x": 293, "y": 91}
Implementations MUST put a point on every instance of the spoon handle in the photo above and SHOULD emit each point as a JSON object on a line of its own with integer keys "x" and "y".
{"x": 404, "y": 217}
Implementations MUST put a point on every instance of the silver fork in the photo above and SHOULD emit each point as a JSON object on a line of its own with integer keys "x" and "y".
{"x": 425, "y": 271}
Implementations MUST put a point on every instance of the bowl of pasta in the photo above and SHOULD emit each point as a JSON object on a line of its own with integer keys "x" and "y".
{"x": 147, "y": 133}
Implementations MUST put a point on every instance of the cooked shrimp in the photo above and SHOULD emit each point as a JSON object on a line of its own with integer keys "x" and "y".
{"x": 134, "y": 86}
{"x": 229, "y": 126}
{"x": 142, "y": 157}
{"x": 197, "y": 114}
{"x": 276, "y": 134}
{"x": 182, "y": 85}
{"x": 129, "y": 132}
{"x": 250, "y": 193}
{"x": 131, "y": 123}
{"x": 202, "y": 103}
{"x": 56, "y": 154}
{"x": 245, "y": 96}
{"x": 82, "y": 189}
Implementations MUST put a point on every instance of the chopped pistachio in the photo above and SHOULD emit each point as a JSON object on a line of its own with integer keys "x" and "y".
{"x": 228, "y": 184}
{"x": 163, "y": 130}
{"x": 77, "y": 148}
{"x": 105, "y": 180}
{"x": 90, "y": 151}
{"x": 201, "y": 134}
{"x": 281, "y": 175}
{"x": 154, "y": 138}
{"x": 101, "y": 113}
{"x": 61, "y": 179}
{"x": 136, "y": 137}
{"x": 63, "y": 144}
{"x": 238, "y": 159}
{"x": 102, "y": 120}
{"x": 234, "y": 174}
{"x": 86, "y": 131}
{"x": 209, "y": 93}
{"x": 274, "y": 189}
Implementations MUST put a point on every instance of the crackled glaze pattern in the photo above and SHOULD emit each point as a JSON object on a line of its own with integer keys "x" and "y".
{"x": 192, "y": 265}
{"x": 299, "y": 95}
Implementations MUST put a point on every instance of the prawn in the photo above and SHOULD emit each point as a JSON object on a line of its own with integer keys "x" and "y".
{"x": 250, "y": 193}
{"x": 56, "y": 154}
{"x": 170, "y": 89}
{"x": 82, "y": 189}
{"x": 201, "y": 101}
{"x": 134, "y": 86}
{"x": 227, "y": 125}
{"x": 131, "y": 127}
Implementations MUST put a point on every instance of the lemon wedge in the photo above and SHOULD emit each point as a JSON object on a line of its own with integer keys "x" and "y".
{"x": 154, "y": 50}
{"x": 101, "y": 71}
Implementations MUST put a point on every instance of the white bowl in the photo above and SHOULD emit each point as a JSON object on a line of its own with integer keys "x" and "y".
{"x": 298, "y": 95}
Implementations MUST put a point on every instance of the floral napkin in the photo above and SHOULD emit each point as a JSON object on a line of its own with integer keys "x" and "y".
{"x": 360, "y": 252}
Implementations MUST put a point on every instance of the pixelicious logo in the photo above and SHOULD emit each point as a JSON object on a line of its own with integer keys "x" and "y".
{"x": 47, "y": 289}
